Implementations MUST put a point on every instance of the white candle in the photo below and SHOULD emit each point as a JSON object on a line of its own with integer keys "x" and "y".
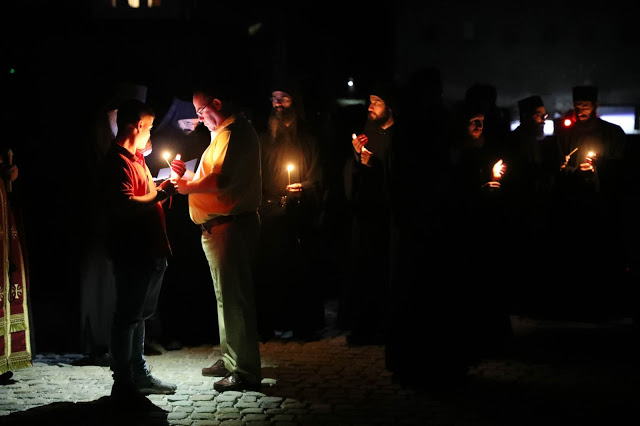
{"x": 289, "y": 168}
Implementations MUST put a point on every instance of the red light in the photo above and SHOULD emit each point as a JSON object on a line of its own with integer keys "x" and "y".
{"x": 567, "y": 122}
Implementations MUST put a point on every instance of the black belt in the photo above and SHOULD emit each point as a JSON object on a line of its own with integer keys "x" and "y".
{"x": 222, "y": 219}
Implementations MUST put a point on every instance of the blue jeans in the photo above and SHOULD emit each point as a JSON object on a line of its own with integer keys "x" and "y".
{"x": 138, "y": 282}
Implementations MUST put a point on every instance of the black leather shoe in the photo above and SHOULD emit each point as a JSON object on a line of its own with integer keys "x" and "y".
{"x": 233, "y": 382}
{"x": 217, "y": 369}
{"x": 5, "y": 378}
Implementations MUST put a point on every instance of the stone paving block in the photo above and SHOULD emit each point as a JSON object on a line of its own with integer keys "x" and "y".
{"x": 222, "y": 416}
{"x": 202, "y": 397}
{"x": 206, "y": 408}
{"x": 206, "y": 405}
{"x": 183, "y": 408}
{"x": 247, "y": 405}
{"x": 177, "y": 397}
{"x": 254, "y": 417}
{"x": 197, "y": 415}
{"x": 182, "y": 402}
{"x": 177, "y": 415}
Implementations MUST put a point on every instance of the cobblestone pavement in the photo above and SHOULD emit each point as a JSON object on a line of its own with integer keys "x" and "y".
{"x": 555, "y": 373}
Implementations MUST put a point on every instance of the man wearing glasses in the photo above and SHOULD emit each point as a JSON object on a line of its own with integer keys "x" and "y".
{"x": 224, "y": 195}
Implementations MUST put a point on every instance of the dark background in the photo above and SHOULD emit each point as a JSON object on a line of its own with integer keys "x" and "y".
{"x": 66, "y": 56}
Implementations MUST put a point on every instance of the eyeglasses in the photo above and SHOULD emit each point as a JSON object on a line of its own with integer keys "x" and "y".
{"x": 541, "y": 116}
{"x": 282, "y": 100}
{"x": 199, "y": 112}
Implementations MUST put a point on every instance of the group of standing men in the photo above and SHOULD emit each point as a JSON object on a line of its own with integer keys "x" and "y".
{"x": 432, "y": 200}
{"x": 456, "y": 218}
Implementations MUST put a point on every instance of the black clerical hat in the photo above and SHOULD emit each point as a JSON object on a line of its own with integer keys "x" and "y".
{"x": 585, "y": 93}
{"x": 530, "y": 104}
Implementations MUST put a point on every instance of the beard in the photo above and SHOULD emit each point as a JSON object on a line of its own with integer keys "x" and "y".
{"x": 283, "y": 114}
{"x": 379, "y": 120}
{"x": 539, "y": 132}
{"x": 279, "y": 118}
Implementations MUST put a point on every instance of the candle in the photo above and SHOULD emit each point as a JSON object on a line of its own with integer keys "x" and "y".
{"x": 289, "y": 168}
{"x": 174, "y": 175}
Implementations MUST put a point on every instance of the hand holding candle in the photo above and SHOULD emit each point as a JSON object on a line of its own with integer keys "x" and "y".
{"x": 358, "y": 142}
{"x": 498, "y": 169}
{"x": 588, "y": 165}
{"x": 178, "y": 168}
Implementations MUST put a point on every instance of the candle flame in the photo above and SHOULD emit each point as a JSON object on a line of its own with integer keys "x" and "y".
{"x": 289, "y": 167}
{"x": 498, "y": 169}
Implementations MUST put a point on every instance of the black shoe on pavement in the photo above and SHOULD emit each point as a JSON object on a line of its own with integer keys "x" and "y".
{"x": 217, "y": 369}
{"x": 5, "y": 377}
{"x": 234, "y": 382}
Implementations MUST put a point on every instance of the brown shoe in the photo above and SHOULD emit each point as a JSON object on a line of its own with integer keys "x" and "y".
{"x": 217, "y": 369}
{"x": 234, "y": 382}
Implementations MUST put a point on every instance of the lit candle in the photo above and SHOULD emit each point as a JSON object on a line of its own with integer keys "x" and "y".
{"x": 289, "y": 168}
{"x": 174, "y": 175}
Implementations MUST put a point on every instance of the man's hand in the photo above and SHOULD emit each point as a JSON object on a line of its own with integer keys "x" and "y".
{"x": 169, "y": 186}
{"x": 493, "y": 184}
{"x": 587, "y": 167}
{"x": 498, "y": 169}
{"x": 182, "y": 186}
{"x": 178, "y": 167}
{"x": 358, "y": 142}
{"x": 365, "y": 156}
{"x": 294, "y": 187}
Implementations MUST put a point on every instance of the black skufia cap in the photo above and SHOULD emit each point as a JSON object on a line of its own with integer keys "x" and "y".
{"x": 385, "y": 91}
{"x": 530, "y": 104}
{"x": 585, "y": 93}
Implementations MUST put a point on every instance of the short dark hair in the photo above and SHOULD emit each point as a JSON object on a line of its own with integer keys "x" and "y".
{"x": 131, "y": 111}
